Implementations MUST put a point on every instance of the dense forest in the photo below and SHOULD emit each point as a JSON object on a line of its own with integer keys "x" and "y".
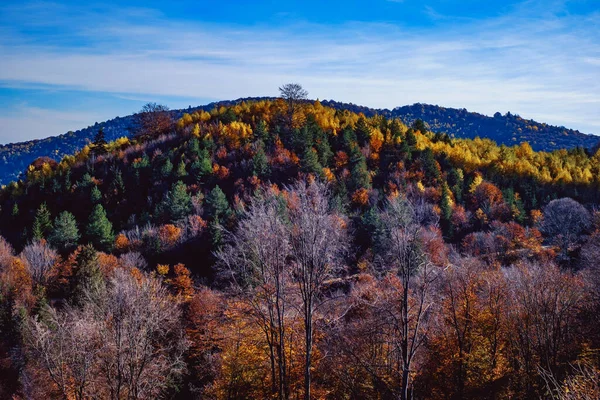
{"x": 281, "y": 248}
{"x": 508, "y": 129}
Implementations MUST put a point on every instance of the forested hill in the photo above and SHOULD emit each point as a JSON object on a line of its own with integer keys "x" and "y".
{"x": 201, "y": 247}
{"x": 509, "y": 129}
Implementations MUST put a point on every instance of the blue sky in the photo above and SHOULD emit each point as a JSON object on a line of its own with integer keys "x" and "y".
{"x": 67, "y": 64}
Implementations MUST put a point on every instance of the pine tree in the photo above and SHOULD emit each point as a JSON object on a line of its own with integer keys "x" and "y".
{"x": 42, "y": 223}
{"x": 99, "y": 230}
{"x": 177, "y": 203}
{"x": 309, "y": 162}
{"x": 65, "y": 234}
{"x": 446, "y": 208}
{"x": 166, "y": 169}
{"x": 117, "y": 186}
{"x": 99, "y": 143}
{"x": 430, "y": 167}
{"x": 260, "y": 164}
{"x": 217, "y": 204}
{"x": 363, "y": 131}
{"x": 194, "y": 147}
{"x": 87, "y": 277}
{"x": 96, "y": 195}
{"x": 202, "y": 167}
{"x": 180, "y": 172}
{"x": 262, "y": 132}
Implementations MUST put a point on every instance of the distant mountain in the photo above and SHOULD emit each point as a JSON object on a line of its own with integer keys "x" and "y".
{"x": 509, "y": 129}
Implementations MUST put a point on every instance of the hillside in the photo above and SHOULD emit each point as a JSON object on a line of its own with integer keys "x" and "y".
{"x": 198, "y": 250}
{"x": 508, "y": 129}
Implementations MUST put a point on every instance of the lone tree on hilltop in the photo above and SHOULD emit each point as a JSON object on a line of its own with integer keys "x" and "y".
{"x": 152, "y": 121}
{"x": 293, "y": 94}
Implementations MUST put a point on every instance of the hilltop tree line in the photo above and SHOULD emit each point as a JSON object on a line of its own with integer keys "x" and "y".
{"x": 284, "y": 249}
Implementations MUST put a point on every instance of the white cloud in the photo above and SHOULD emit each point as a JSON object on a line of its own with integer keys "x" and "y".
{"x": 541, "y": 68}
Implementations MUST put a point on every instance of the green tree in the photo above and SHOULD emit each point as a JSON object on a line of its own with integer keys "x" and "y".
{"x": 217, "y": 204}
{"x": 42, "y": 224}
{"x": 419, "y": 125}
{"x": 180, "y": 172}
{"x": 96, "y": 195}
{"x": 446, "y": 208}
{"x": 100, "y": 230}
{"x": 177, "y": 203}
{"x": 260, "y": 163}
{"x": 65, "y": 234}
{"x": 166, "y": 169}
{"x": 309, "y": 162}
{"x": 363, "y": 131}
{"x": 202, "y": 167}
{"x": 87, "y": 277}
{"x": 99, "y": 143}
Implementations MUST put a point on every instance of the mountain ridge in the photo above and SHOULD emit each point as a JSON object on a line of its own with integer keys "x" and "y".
{"x": 508, "y": 129}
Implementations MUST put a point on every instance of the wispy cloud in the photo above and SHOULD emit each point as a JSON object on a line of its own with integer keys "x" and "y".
{"x": 544, "y": 68}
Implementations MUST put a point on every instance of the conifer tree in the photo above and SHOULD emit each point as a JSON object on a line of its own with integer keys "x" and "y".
{"x": 99, "y": 143}
{"x": 202, "y": 167}
{"x": 309, "y": 162}
{"x": 177, "y": 203}
{"x": 100, "y": 230}
{"x": 180, "y": 172}
{"x": 446, "y": 208}
{"x": 65, "y": 234}
{"x": 42, "y": 223}
{"x": 87, "y": 275}
{"x": 96, "y": 195}
{"x": 260, "y": 164}
{"x": 217, "y": 204}
{"x": 166, "y": 169}
{"x": 363, "y": 131}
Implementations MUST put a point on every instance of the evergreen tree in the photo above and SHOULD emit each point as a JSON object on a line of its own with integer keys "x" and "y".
{"x": 180, "y": 172}
{"x": 177, "y": 203}
{"x": 65, "y": 234}
{"x": 260, "y": 164}
{"x": 117, "y": 186}
{"x": 262, "y": 132}
{"x": 309, "y": 162}
{"x": 456, "y": 183}
{"x": 446, "y": 208}
{"x": 87, "y": 275}
{"x": 194, "y": 147}
{"x": 100, "y": 230}
{"x": 217, "y": 204}
{"x": 396, "y": 129}
{"x": 99, "y": 143}
{"x": 430, "y": 167}
{"x": 42, "y": 223}
{"x": 411, "y": 139}
{"x": 419, "y": 125}
{"x": 363, "y": 131}
{"x": 96, "y": 195}
{"x": 166, "y": 169}
{"x": 202, "y": 167}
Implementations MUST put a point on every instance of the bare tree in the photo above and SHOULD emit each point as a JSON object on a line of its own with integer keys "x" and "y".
{"x": 293, "y": 94}
{"x": 124, "y": 342}
{"x": 317, "y": 242}
{"x": 142, "y": 341}
{"x": 152, "y": 121}
{"x": 256, "y": 262}
{"x": 564, "y": 221}
{"x": 39, "y": 258}
{"x": 401, "y": 252}
{"x": 66, "y": 348}
{"x": 543, "y": 306}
